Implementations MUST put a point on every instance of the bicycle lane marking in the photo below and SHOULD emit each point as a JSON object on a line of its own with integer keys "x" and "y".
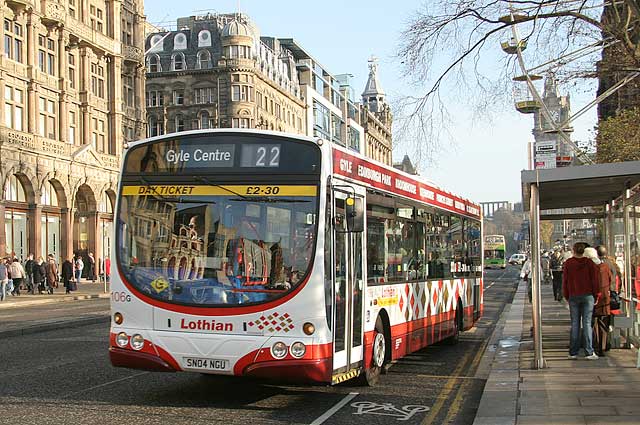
{"x": 326, "y": 415}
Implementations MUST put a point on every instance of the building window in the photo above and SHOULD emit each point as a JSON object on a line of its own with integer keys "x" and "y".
{"x": 128, "y": 90}
{"x": 238, "y": 52}
{"x": 241, "y": 93}
{"x": 156, "y": 44}
{"x": 336, "y": 129}
{"x": 204, "y": 38}
{"x": 98, "y": 135}
{"x": 96, "y": 16}
{"x": 72, "y": 127}
{"x": 179, "y": 123}
{"x": 72, "y": 8}
{"x": 13, "y": 39}
{"x": 155, "y": 126}
{"x": 13, "y": 107}
{"x": 13, "y": 190}
{"x": 321, "y": 120}
{"x": 203, "y": 95}
{"x": 204, "y": 59}
{"x": 105, "y": 206}
{"x": 47, "y": 118}
{"x": 72, "y": 70}
{"x": 49, "y": 196}
{"x": 177, "y": 62}
{"x": 354, "y": 139}
{"x": 178, "y": 97}
{"x": 180, "y": 42}
{"x": 127, "y": 27}
{"x": 46, "y": 55}
{"x": 155, "y": 98}
{"x": 205, "y": 120}
{"x": 97, "y": 80}
{"x": 153, "y": 63}
{"x": 241, "y": 123}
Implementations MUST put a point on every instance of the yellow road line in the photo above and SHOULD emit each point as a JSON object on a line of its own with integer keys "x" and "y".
{"x": 456, "y": 405}
{"x": 446, "y": 390}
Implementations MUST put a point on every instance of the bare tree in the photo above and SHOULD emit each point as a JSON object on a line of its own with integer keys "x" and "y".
{"x": 446, "y": 46}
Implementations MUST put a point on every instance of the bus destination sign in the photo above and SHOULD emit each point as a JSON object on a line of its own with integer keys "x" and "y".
{"x": 200, "y": 156}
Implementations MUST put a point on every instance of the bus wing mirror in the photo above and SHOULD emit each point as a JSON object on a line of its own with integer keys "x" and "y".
{"x": 354, "y": 209}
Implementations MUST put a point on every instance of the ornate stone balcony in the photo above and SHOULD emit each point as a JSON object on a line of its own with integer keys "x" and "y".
{"x": 131, "y": 53}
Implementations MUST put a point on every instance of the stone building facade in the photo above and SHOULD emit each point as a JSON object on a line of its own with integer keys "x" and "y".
{"x": 73, "y": 91}
{"x": 216, "y": 71}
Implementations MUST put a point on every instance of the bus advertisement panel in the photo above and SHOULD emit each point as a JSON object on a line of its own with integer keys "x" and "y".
{"x": 494, "y": 251}
{"x": 246, "y": 253}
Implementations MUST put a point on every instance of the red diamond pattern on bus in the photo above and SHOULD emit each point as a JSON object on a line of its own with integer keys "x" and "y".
{"x": 274, "y": 322}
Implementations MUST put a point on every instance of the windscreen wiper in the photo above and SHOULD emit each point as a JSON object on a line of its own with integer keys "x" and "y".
{"x": 269, "y": 199}
{"x": 210, "y": 183}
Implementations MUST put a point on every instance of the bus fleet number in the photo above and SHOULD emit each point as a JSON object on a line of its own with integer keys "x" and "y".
{"x": 120, "y": 297}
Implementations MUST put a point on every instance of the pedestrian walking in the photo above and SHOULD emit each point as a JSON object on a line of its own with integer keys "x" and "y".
{"x": 525, "y": 274}
{"x": 581, "y": 287}
{"x": 555, "y": 264}
{"x": 4, "y": 279}
{"x": 91, "y": 275}
{"x": 39, "y": 274}
{"x": 52, "y": 274}
{"x": 601, "y": 310}
{"x": 28, "y": 270}
{"x": 67, "y": 275}
{"x": 78, "y": 265}
{"x": 17, "y": 275}
{"x": 545, "y": 264}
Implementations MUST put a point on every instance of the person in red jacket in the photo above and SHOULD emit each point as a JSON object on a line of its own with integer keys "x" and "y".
{"x": 581, "y": 287}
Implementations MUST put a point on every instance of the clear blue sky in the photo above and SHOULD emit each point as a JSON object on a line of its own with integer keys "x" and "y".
{"x": 486, "y": 158}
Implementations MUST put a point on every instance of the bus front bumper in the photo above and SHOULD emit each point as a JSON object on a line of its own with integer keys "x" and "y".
{"x": 137, "y": 360}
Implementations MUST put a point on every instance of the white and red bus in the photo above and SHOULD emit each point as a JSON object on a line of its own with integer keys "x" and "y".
{"x": 255, "y": 253}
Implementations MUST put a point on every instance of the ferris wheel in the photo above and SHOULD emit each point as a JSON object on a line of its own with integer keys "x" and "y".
{"x": 526, "y": 83}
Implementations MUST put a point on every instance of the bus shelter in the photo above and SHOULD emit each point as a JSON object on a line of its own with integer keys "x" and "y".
{"x": 609, "y": 192}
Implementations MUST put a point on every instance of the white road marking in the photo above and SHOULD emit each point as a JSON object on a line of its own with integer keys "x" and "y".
{"x": 334, "y": 409}
{"x": 106, "y": 384}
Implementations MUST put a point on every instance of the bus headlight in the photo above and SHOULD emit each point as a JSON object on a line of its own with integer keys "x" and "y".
{"x": 298, "y": 349}
{"x": 122, "y": 340}
{"x": 137, "y": 342}
{"x": 118, "y": 318}
{"x": 279, "y": 350}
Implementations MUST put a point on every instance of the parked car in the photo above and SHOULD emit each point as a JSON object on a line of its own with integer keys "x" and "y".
{"x": 518, "y": 259}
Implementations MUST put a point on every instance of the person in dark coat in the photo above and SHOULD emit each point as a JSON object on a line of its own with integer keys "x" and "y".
{"x": 39, "y": 274}
{"x": 91, "y": 275}
{"x": 67, "y": 275}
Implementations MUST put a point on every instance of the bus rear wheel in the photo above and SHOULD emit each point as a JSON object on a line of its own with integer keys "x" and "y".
{"x": 378, "y": 355}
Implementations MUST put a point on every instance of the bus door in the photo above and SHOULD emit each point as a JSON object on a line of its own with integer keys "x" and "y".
{"x": 348, "y": 290}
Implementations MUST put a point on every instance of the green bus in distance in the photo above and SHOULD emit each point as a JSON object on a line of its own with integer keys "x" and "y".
{"x": 494, "y": 252}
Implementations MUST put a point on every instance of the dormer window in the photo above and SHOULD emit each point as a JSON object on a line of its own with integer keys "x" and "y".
{"x": 153, "y": 63}
{"x": 204, "y": 39}
{"x": 204, "y": 59}
{"x": 180, "y": 42}
{"x": 156, "y": 43}
{"x": 178, "y": 62}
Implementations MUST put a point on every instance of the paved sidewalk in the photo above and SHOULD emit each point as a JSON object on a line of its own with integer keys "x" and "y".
{"x": 86, "y": 290}
{"x": 567, "y": 392}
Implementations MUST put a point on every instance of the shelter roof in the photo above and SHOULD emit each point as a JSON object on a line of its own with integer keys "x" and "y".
{"x": 581, "y": 186}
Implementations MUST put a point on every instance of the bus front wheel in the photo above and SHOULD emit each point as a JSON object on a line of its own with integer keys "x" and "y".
{"x": 378, "y": 355}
